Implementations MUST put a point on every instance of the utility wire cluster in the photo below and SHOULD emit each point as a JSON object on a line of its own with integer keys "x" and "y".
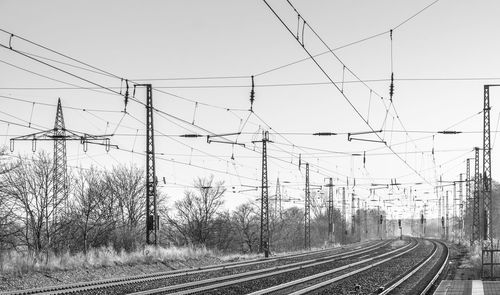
{"x": 249, "y": 118}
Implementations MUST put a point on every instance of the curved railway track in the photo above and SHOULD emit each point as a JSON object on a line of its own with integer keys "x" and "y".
{"x": 109, "y": 286}
{"x": 407, "y": 272}
{"x": 254, "y": 281}
{"x": 423, "y": 275}
{"x": 388, "y": 267}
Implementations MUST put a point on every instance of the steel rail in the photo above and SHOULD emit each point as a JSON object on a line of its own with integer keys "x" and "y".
{"x": 410, "y": 273}
{"x": 341, "y": 277}
{"x": 213, "y": 283}
{"x": 443, "y": 266}
{"x": 114, "y": 282}
{"x": 221, "y": 282}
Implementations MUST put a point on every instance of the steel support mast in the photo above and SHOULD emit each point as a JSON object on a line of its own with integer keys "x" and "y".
{"x": 440, "y": 214}
{"x": 487, "y": 235}
{"x": 365, "y": 213}
{"x": 468, "y": 201}
{"x": 447, "y": 233}
{"x": 307, "y": 212}
{"x": 475, "y": 208}
{"x": 353, "y": 215}
{"x": 152, "y": 221}
{"x": 454, "y": 213}
{"x": 330, "y": 210}
{"x": 461, "y": 209}
{"x": 277, "y": 200}
{"x": 264, "y": 200}
{"x": 343, "y": 216}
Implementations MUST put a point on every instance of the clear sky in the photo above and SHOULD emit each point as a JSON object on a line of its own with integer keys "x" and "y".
{"x": 156, "y": 41}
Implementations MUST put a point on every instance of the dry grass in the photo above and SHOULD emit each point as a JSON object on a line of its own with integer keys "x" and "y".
{"x": 475, "y": 256}
{"x": 21, "y": 262}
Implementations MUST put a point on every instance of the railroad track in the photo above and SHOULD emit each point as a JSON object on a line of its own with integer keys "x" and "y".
{"x": 380, "y": 276}
{"x": 110, "y": 286}
{"x": 423, "y": 275}
{"x": 330, "y": 276}
{"x": 245, "y": 282}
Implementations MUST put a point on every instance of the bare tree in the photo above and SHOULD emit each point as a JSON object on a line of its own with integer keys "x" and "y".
{"x": 289, "y": 232}
{"x": 126, "y": 186}
{"x": 8, "y": 228}
{"x": 91, "y": 207}
{"x": 246, "y": 223}
{"x": 196, "y": 212}
{"x": 29, "y": 185}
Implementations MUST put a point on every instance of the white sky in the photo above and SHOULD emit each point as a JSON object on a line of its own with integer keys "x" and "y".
{"x": 170, "y": 39}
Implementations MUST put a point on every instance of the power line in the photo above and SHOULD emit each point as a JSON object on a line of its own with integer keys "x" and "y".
{"x": 289, "y": 84}
{"x": 46, "y": 77}
{"x": 349, "y": 44}
{"x": 193, "y": 78}
{"x": 55, "y": 52}
{"x": 54, "y": 105}
{"x": 61, "y": 70}
{"x": 334, "y": 84}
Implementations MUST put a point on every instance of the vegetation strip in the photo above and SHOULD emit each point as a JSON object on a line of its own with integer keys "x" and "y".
{"x": 64, "y": 289}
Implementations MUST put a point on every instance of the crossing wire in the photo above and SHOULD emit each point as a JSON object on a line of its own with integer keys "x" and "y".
{"x": 115, "y": 76}
{"x": 264, "y": 85}
{"x": 335, "y": 85}
{"x": 352, "y": 43}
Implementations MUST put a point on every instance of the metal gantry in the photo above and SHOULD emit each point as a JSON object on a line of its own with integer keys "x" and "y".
{"x": 461, "y": 208}
{"x": 468, "y": 200}
{"x": 353, "y": 215}
{"x": 365, "y": 213}
{"x": 307, "y": 212}
{"x": 330, "y": 210}
{"x": 358, "y": 220}
{"x": 264, "y": 200}
{"x": 277, "y": 200}
{"x": 440, "y": 214}
{"x": 152, "y": 220}
{"x": 475, "y": 205}
{"x": 447, "y": 228}
{"x": 454, "y": 212}
{"x": 344, "y": 230}
{"x": 488, "y": 261}
{"x": 487, "y": 236}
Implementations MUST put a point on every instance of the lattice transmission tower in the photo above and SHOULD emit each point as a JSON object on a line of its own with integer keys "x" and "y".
{"x": 59, "y": 135}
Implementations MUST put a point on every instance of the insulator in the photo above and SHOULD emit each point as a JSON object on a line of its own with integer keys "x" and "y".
{"x": 33, "y": 145}
{"x": 391, "y": 87}
{"x": 252, "y": 95}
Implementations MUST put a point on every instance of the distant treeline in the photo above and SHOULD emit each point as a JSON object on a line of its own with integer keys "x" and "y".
{"x": 107, "y": 208}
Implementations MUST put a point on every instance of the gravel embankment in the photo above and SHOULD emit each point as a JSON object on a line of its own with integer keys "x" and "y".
{"x": 251, "y": 286}
{"x": 419, "y": 281}
{"x": 372, "y": 279}
{"x": 202, "y": 276}
{"x": 36, "y": 279}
